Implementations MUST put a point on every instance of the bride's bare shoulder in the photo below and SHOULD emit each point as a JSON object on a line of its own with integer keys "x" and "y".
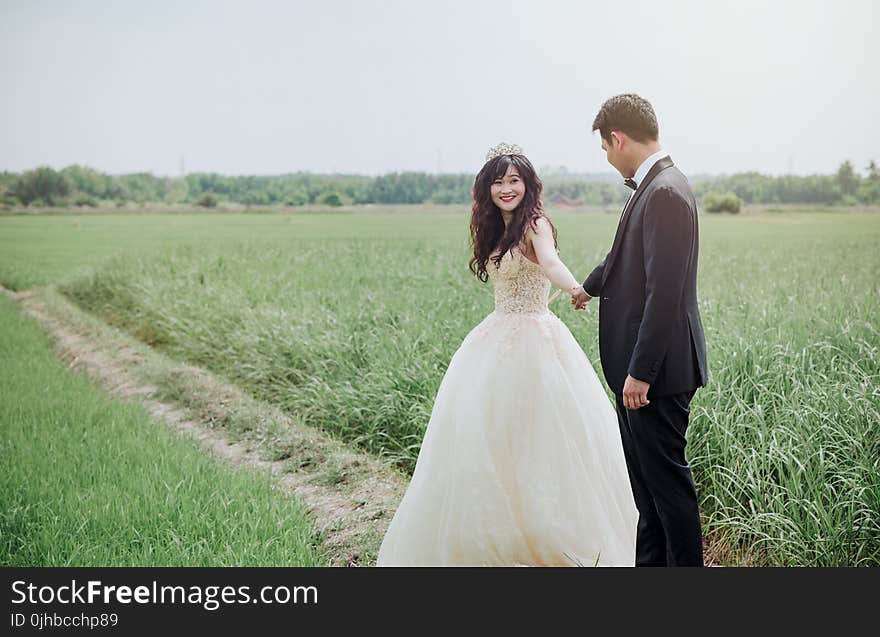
{"x": 540, "y": 227}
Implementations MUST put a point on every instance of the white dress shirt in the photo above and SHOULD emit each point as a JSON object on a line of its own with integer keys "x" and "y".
{"x": 646, "y": 165}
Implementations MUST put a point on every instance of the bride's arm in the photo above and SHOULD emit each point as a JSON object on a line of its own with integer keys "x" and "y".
{"x": 554, "y": 268}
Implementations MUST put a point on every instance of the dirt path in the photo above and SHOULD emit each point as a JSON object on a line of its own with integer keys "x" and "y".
{"x": 350, "y": 496}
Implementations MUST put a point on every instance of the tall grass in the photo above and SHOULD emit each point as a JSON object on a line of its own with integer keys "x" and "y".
{"x": 786, "y": 439}
{"x": 349, "y": 335}
{"x": 87, "y": 481}
{"x": 352, "y": 333}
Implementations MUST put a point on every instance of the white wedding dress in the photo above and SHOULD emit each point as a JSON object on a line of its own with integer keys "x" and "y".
{"x": 521, "y": 462}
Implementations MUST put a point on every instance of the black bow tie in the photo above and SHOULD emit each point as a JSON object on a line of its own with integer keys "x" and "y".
{"x": 631, "y": 183}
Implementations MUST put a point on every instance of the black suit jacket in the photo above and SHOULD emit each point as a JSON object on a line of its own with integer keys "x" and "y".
{"x": 649, "y": 322}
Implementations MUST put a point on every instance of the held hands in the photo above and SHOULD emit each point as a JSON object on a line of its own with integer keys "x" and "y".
{"x": 635, "y": 393}
{"x": 579, "y": 297}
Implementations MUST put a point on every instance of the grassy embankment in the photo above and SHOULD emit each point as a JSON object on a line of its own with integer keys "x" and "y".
{"x": 88, "y": 481}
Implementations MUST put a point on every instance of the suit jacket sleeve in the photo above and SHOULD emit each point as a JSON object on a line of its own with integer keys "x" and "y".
{"x": 667, "y": 237}
{"x": 593, "y": 283}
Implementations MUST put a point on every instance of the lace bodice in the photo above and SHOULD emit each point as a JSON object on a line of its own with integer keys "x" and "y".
{"x": 520, "y": 284}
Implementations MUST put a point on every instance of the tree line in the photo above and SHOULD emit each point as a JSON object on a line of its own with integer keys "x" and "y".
{"x": 78, "y": 185}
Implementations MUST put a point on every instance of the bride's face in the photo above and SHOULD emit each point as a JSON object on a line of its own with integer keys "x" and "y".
{"x": 509, "y": 190}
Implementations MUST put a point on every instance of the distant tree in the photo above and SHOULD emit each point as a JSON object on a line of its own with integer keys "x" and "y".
{"x": 174, "y": 190}
{"x": 9, "y": 201}
{"x": 206, "y": 200}
{"x": 86, "y": 180}
{"x": 296, "y": 198}
{"x": 869, "y": 188}
{"x": 255, "y": 198}
{"x": 331, "y": 199}
{"x": 43, "y": 184}
{"x": 446, "y": 195}
{"x": 847, "y": 178}
{"x": 141, "y": 187}
{"x": 722, "y": 202}
{"x": 83, "y": 199}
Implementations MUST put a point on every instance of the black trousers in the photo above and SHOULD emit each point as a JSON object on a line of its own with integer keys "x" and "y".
{"x": 653, "y": 439}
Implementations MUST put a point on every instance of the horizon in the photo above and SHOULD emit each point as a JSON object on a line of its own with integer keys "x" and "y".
{"x": 610, "y": 175}
{"x": 273, "y": 88}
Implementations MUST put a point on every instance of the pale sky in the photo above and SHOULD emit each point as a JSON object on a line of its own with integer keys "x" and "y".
{"x": 369, "y": 87}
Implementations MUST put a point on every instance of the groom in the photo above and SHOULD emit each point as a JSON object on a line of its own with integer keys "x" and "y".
{"x": 651, "y": 339}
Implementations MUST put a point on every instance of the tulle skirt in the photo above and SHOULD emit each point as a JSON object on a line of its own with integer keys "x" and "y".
{"x": 521, "y": 462}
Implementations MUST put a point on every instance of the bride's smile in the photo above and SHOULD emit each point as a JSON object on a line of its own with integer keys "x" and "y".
{"x": 508, "y": 191}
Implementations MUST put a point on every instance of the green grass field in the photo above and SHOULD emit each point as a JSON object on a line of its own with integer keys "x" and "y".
{"x": 87, "y": 481}
{"x": 45, "y": 249}
{"x": 349, "y": 320}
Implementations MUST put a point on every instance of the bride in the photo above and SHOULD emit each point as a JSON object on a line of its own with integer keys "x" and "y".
{"x": 521, "y": 462}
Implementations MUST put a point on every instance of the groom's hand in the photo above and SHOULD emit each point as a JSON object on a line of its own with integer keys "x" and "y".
{"x": 635, "y": 393}
{"x": 579, "y": 297}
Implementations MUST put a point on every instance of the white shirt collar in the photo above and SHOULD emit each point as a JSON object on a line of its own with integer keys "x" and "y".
{"x": 646, "y": 165}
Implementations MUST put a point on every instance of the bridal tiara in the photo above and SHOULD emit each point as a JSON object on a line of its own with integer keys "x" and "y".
{"x": 503, "y": 149}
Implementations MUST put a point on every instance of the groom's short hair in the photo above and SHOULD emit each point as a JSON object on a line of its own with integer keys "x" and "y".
{"x": 628, "y": 113}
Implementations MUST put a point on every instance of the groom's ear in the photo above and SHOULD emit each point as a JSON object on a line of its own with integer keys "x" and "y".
{"x": 616, "y": 139}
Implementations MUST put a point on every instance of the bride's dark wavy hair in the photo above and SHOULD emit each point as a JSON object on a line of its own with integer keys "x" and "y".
{"x": 487, "y": 226}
